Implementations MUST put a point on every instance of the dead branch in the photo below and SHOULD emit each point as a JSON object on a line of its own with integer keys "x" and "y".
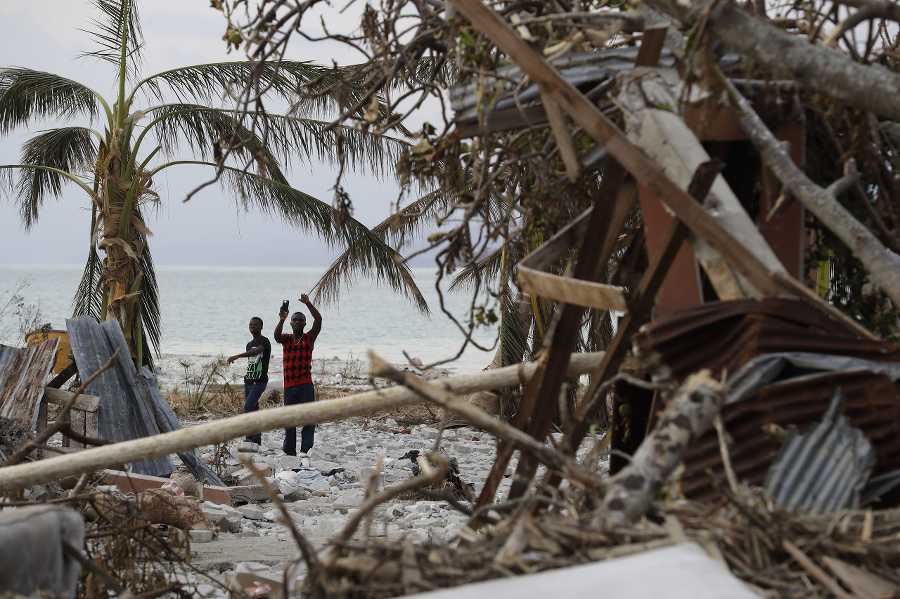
{"x": 790, "y": 57}
{"x": 481, "y": 419}
{"x": 883, "y": 265}
{"x": 690, "y": 413}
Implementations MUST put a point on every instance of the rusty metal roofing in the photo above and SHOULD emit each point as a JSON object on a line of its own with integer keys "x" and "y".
{"x": 756, "y": 423}
{"x": 22, "y": 380}
{"x": 824, "y": 470}
{"x": 723, "y": 336}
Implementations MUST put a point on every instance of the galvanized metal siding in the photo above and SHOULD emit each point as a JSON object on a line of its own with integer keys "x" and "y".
{"x": 22, "y": 381}
{"x": 131, "y": 404}
{"x": 123, "y": 414}
{"x": 824, "y": 470}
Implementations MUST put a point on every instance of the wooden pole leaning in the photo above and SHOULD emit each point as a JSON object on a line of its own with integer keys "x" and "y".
{"x": 220, "y": 431}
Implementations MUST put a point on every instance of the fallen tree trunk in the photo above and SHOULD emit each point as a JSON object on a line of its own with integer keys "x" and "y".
{"x": 883, "y": 265}
{"x": 785, "y": 56}
{"x": 690, "y": 413}
{"x": 23, "y": 475}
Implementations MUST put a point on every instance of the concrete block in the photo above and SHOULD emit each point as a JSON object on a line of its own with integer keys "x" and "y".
{"x": 201, "y": 536}
{"x": 246, "y": 476}
{"x": 251, "y": 512}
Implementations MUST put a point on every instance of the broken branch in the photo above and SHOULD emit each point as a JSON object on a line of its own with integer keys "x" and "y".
{"x": 690, "y": 413}
{"x": 481, "y": 419}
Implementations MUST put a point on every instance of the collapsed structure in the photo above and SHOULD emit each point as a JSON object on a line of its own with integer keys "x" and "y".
{"x": 728, "y": 382}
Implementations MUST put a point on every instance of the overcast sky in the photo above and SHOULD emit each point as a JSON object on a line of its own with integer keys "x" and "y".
{"x": 210, "y": 229}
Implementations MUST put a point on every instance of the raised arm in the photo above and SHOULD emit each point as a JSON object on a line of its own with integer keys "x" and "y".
{"x": 256, "y": 350}
{"x": 279, "y": 338}
{"x": 317, "y": 318}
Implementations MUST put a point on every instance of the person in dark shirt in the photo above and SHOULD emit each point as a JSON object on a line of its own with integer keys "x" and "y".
{"x": 259, "y": 350}
{"x": 298, "y": 385}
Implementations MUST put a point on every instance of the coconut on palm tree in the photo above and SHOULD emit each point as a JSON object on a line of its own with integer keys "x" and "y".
{"x": 112, "y": 150}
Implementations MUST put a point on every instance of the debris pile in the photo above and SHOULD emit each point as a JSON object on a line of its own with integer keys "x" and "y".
{"x": 733, "y": 414}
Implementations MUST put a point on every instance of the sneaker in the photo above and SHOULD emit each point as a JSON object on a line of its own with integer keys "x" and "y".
{"x": 248, "y": 446}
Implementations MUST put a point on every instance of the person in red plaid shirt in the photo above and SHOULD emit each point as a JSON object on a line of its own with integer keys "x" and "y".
{"x": 298, "y": 385}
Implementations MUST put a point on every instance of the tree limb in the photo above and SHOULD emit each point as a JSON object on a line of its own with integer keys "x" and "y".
{"x": 868, "y": 87}
{"x": 883, "y": 265}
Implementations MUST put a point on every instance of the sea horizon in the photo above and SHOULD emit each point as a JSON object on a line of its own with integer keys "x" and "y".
{"x": 205, "y": 311}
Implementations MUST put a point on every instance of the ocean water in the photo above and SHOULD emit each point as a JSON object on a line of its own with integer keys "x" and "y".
{"x": 206, "y": 312}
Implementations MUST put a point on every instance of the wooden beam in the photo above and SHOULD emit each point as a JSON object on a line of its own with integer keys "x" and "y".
{"x": 85, "y": 403}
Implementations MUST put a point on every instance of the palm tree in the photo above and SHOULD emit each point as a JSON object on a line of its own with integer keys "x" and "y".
{"x": 113, "y": 162}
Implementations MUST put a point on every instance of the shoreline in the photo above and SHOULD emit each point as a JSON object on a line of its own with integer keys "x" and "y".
{"x": 176, "y": 370}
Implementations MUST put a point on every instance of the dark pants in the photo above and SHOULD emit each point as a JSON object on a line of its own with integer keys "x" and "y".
{"x": 298, "y": 394}
{"x": 251, "y": 404}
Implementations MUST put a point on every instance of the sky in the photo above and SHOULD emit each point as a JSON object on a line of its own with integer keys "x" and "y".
{"x": 210, "y": 229}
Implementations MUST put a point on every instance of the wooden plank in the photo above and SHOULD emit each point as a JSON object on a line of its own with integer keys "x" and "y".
{"x": 607, "y": 217}
{"x": 572, "y": 291}
{"x": 606, "y": 221}
{"x": 21, "y": 383}
{"x": 589, "y": 294}
{"x": 59, "y": 397}
{"x": 503, "y": 120}
{"x": 652, "y": 43}
{"x": 641, "y": 303}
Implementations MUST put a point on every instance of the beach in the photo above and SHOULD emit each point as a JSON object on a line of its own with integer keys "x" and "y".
{"x": 178, "y": 372}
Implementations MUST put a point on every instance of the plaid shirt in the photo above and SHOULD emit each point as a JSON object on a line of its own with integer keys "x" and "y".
{"x": 297, "y": 360}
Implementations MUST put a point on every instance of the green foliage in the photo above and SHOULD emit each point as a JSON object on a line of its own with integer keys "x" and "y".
{"x": 202, "y": 384}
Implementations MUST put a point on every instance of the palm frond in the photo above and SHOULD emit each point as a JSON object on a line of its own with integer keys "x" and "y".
{"x": 288, "y": 139}
{"x": 369, "y": 256}
{"x": 409, "y": 221}
{"x": 26, "y": 94}
{"x": 150, "y": 311}
{"x": 87, "y": 300}
{"x": 68, "y": 149}
{"x": 118, "y": 16}
{"x": 488, "y": 268}
{"x": 366, "y": 255}
{"x": 515, "y": 324}
{"x": 202, "y": 128}
{"x": 206, "y": 82}
{"x": 399, "y": 226}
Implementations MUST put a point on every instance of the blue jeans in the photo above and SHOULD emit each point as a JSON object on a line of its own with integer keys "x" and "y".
{"x": 298, "y": 394}
{"x": 251, "y": 404}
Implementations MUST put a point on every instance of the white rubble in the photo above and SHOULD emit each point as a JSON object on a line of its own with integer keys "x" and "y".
{"x": 322, "y": 490}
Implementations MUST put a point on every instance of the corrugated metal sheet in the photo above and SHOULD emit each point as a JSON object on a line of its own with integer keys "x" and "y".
{"x": 584, "y": 69}
{"x": 22, "y": 381}
{"x": 824, "y": 470}
{"x": 723, "y": 336}
{"x": 788, "y": 360}
{"x": 122, "y": 414}
{"x": 871, "y": 404}
{"x": 131, "y": 404}
{"x": 168, "y": 421}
